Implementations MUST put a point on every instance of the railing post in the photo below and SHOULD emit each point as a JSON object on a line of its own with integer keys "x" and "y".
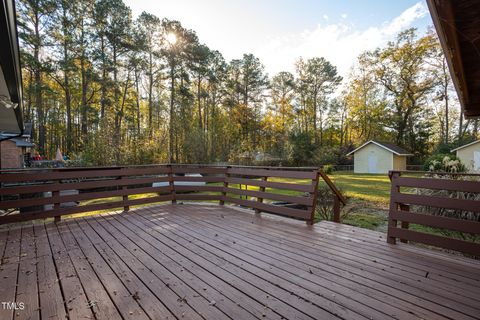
{"x": 314, "y": 198}
{"x": 172, "y": 184}
{"x": 56, "y": 203}
{"x": 336, "y": 209}
{"x": 395, "y": 189}
{"x": 261, "y": 189}
{"x": 225, "y": 186}
{"x": 405, "y": 224}
{"x": 125, "y": 197}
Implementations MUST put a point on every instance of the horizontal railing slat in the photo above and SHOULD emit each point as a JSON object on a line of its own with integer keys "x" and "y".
{"x": 437, "y": 222}
{"x": 88, "y": 184}
{"x": 199, "y": 188}
{"x": 24, "y": 203}
{"x": 273, "y": 185}
{"x": 296, "y": 213}
{"x": 273, "y": 173}
{"x": 438, "y": 184}
{"x": 437, "y": 202}
{"x": 434, "y": 240}
{"x": 272, "y": 196}
{"x": 22, "y": 177}
{"x": 198, "y": 179}
{"x": 200, "y": 170}
{"x": 79, "y": 174}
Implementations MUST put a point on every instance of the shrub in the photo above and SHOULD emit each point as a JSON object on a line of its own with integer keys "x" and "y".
{"x": 328, "y": 168}
{"x": 324, "y": 205}
{"x": 443, "y": 163}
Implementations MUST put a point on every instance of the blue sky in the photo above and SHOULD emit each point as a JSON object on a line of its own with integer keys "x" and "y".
{"x": 280, "y": 31}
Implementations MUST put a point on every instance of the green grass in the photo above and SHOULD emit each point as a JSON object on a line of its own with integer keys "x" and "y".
{"x": 369, "y": 187}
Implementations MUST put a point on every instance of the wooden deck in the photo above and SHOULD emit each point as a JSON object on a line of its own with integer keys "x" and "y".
{"x": 213, "y": 262}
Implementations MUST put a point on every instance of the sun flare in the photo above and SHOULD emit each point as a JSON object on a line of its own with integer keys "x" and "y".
{"x": 172, "y": 38}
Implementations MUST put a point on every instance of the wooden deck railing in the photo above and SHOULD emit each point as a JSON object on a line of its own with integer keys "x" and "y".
{"x": 403, "y": 200}
{"x": 46, "y": 193}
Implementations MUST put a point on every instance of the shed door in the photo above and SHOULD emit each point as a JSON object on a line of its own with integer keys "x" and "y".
{"x": 476, "y": 160}
{"x": 372, "y": 163}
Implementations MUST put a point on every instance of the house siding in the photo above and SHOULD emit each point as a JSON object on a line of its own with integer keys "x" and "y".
{"x": 384, "y": 159}
{"x": 399, "y": 162}
{"x": 466, "y": 156}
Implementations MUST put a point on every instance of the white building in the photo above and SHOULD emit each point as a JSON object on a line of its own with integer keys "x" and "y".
{"x": 469, "y": 155}
{"x": 379, "y": 157}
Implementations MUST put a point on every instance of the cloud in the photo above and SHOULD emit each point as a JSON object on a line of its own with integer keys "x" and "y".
{"x": 404, "y": 20}
{"x": 344, "y": 15}
{"x": 325, "y": 17}
{"x": 340, "y": 43}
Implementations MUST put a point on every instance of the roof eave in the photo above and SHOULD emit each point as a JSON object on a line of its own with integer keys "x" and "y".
{"x": 465, "y": 145}
{"x": 10, "y": 59}
{"x": 381, "y": 146}
{"x": 444, "y": 19}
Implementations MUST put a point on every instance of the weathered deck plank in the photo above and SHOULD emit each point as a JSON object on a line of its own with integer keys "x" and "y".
{"x": 280, "y": 298}
{"x": 27, "y": 289}
{"x": 307, "y": 260}
{"x": 9, "y": 271}
{"x": 202, "y": 289}
{"x": 210, "y": 262}
{"x": 51, "y": 300}
{"x": 98, "y": 298}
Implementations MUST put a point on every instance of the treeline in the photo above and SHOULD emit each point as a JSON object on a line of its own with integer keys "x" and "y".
{"x": 108, "y": 89}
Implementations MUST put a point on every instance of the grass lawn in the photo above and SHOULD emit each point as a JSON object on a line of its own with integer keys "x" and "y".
{"x": 369, "y": 187}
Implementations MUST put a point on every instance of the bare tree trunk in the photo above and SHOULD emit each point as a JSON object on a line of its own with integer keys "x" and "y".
{"x": 171, "y": 120}
{"x": 84, "y": 85}
{"x": 138, "y": 101}
{"x": 200, "y": 126}
{"x": 315, "y": 137}
{"x": 68, "y": 101}
{"x": 39, "y": 89}
{"x": 104, "y": 79}
{"x": 150, "y": 94}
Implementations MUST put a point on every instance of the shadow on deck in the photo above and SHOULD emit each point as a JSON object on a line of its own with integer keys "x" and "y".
{"x": 214, "y": 262}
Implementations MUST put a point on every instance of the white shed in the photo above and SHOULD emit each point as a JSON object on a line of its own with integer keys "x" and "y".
{"x": 379, "y": 157}
{"x": 469, "y": 155}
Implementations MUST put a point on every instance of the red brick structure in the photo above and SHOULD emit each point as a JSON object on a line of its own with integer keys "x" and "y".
{"x": 11, "y": 155}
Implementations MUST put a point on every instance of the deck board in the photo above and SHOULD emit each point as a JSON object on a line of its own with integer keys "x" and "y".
{"x": 9, "y": 268}
{"x": 364, "y": 289}
{"x": 364, "y": 260}
{"x": 253, "y": 285}
{"x": 190, "y": 261}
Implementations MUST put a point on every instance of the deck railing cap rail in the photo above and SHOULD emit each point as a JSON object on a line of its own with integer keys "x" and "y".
{"x": 440, "y": 173}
